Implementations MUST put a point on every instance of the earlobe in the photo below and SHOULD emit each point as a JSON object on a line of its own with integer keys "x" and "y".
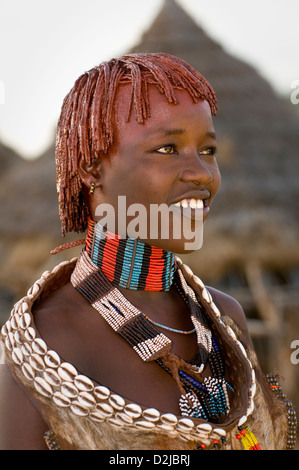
{"x": 90, "y": 174}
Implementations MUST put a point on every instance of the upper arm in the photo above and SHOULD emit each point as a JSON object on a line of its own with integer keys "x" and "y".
{"x": 231, "y": 308}
{"x": 21, "y": 425}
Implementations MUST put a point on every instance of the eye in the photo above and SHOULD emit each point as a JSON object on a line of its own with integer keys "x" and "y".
{"x": 166, "y": 149}
{"x": 209, "y": 151}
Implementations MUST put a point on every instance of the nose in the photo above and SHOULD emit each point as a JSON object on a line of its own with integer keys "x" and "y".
{"x": 196, "y": 170}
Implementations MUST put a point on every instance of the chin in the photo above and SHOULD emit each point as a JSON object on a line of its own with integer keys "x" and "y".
{"x": 183, "y": 247}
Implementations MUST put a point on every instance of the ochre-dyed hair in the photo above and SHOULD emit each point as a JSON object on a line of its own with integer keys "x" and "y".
{"x": 86, "y": 127}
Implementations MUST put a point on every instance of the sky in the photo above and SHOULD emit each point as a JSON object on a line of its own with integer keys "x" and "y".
{"x": 45, "y": 45}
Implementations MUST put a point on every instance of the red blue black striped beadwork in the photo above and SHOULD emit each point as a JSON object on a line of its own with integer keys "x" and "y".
{"x": 129, "y": 262}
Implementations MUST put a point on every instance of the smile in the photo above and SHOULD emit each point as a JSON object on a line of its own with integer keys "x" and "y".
{"x": 192, "y": 203}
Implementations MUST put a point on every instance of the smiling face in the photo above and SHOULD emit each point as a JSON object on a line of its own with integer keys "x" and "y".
{"x": 170, "y": 159}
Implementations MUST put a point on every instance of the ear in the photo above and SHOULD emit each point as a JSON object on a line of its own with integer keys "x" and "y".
{"x": 90, "y": 173}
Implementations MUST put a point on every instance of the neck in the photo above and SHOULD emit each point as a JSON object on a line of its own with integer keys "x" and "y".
{"x": 128, "y": 262}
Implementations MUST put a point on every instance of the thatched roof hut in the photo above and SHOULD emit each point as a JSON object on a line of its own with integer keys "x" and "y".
{"x": 256, "y": 212}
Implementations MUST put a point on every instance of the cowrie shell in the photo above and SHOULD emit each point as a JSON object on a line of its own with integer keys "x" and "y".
{"x": 205, "y": 427}
{"x": 39, "y": 346}
{"x": 86, "y": 399}
{"x": 242, "y": 348}
{"x": 250, "y": 408}
{"x": 28, "y": 371}
{"x": 216, "y": 310}
{"x": 123, "y": 418}
{"x": 169, "y": 418}
{"x": 4, "y": 329}
{"x": 24, "y": 308}
{"x": 10, "y": 341}
{"x": 96, "y": 416}
{"x": 206, "y": 295}
{"x": 83, "y": 383}
{"x": 231, "y": 332}
{"x": 57, "y": 268}
{"x": 18, "y": 337}
{"x": 30, "y": 334}
{"x": 37, "y": 362}
{"x": 15, "y": 321}
{"x": 67, "y": 371}
{"x": 33, "y": 291}
{"x": 185, "y": 424}
{"x": 43, "y": 387}
{"x": 253, "y": 390}
{"x": 198, "y": 281}
{"x": 26, "y": 349}
{"x": 52, "y": 359}
{"x": 17, "y": 356}
{"x": 52, "y": 377}
{"x": 61, "y": 400}
{"x": 242, "y": 420}
{"x": 117, "y": 402}
{"x": 133, "y": 410}
{"x": 45, "y": 275}
{"x": 78, "y": 409}
{"x": 151, "y": 414}
{"x": 25, "y": 321}
{"x": 188, "y": 270}
{"x": 219, "y": 431}
{"x": 101, "y": 392}
{"x": 69, "y": 390}
{"x": 104, "y": 409}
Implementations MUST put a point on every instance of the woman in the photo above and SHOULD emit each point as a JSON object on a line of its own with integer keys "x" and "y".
{"x": 125, "y": 348}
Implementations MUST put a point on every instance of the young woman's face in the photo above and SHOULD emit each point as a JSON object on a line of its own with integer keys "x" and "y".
{"x": 170, "y": 160}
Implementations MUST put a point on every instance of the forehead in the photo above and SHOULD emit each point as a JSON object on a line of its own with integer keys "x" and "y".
{"x": 162, "y": 113}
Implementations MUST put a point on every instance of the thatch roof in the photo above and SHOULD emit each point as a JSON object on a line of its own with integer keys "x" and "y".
{"x": 29, "y": 191}
{"x": 256, "y": 211}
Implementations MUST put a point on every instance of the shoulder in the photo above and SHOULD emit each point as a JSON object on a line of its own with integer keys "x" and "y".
{"x": 231, "y": 308}
{"x": 73, "y": 328}
{"x": 58, "y": 318}
{"x": 56, "y": 307}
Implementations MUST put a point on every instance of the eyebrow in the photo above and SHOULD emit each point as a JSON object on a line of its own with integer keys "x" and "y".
{"x": 179, "y": 131}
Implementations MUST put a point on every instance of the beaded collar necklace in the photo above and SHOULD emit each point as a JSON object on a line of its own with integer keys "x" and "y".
{"x": 128, "y": 262}
{"x": 200, "y": 397}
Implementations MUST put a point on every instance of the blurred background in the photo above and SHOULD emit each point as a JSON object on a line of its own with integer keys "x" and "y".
{"x": 249, "y": 52}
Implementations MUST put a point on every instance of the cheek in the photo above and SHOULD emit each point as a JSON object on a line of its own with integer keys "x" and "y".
{"x": 216, "y": 180}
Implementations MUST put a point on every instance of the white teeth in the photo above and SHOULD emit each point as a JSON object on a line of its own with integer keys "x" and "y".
{"x": 193, "y": 203}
